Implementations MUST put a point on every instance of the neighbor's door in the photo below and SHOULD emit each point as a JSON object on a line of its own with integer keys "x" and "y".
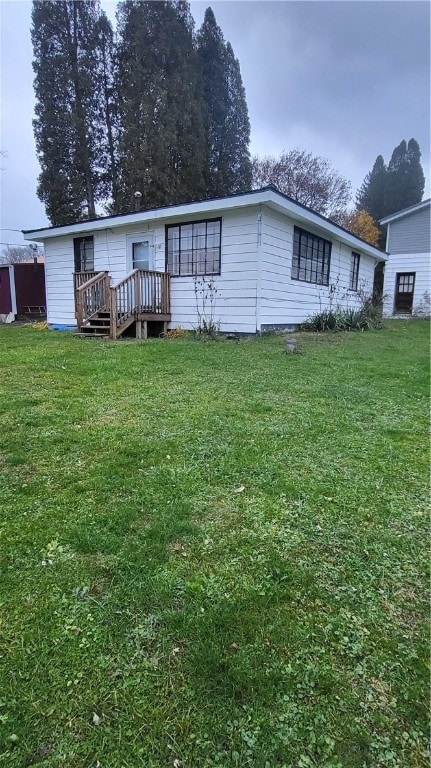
{"x": 404, "y": 289}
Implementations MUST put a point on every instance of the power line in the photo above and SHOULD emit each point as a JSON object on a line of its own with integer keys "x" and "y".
{"x": 17, "y": 245}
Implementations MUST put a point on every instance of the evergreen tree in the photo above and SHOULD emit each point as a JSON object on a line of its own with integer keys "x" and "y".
{"x": 228, "y": 167}
{"x": 67, "y": 126}
{"x": 108, "y": 105}
{"x": 371, "y": 197}
{"x": 162, "y": 141}
{"x": 386, "y": 190}
{"x": 405, "y": 178}
{"x": 237, "y": 137}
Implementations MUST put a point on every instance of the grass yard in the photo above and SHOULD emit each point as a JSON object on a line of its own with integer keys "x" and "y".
{"x": 214, "y": 555}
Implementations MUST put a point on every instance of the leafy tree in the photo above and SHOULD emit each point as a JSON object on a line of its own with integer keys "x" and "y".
{"x": 362, "y": 224}
{"x": 405, "y": 181}
{"x": 228, "y": 167}
{"x": 371, "y": 197}
{"x": 307, "y": 179}
{"x": 68, "y": 129}
{"x": 162, "y": 140}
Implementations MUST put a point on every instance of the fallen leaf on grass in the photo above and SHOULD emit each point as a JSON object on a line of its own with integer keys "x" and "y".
{"x": 96, "y": 719}
{"x": 240, "y": 489}
{"x": 234, "y": 647}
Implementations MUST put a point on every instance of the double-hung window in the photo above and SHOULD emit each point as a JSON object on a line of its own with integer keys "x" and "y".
{"x": 83, "y": 250}
{"x": 194, "y": 248}
{"x": 311, "y": 258}
{"x": 354, "y": 271}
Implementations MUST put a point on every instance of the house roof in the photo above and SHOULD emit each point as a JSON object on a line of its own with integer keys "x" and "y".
{"x": 405, "y": 212}
{"x": 269, "y": 196}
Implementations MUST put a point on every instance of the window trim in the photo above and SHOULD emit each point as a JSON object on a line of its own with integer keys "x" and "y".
{"x": 188, "y": 223}
{"x": 314, "y": 237}
{"x": 355, "y": 262}
{"x": 77, "y": 241}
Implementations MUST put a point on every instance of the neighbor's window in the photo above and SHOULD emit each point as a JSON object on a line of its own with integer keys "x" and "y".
{"x": 354, "y": 271}
{"x": 83, "y": 248}
{"x": 311, "y": 258}
{"x": 194, "y": 248}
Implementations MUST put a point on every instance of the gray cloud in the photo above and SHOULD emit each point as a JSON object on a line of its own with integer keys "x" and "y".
{"x": 346, "y": 80}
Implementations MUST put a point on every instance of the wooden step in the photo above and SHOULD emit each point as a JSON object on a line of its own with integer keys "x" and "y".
{"x": 90, "y": 330}
{"x": 95, "y": 324}
{"x": 92, "y": 335}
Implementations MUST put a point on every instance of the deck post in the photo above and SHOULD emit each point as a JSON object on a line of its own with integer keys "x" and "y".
{"x": 138, "y": 325}
{"x": 113, "y": 314}
{"x": 137, "y": 282}
{"x": 144, "y": 330}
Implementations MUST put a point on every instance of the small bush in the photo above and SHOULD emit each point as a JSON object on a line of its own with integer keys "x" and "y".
{"x": 364, "y": 318}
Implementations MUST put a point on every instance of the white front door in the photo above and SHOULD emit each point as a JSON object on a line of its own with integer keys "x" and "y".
{"x": 142, "y": 256}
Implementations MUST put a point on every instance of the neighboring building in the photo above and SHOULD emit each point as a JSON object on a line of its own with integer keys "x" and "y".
{"x": 407, "y": 285}
{"x": 272, "y": 263}
{"x": 22, "y": 291}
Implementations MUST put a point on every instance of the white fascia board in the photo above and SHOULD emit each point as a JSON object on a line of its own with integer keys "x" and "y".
{"x": 306, "y": 217}
{"x": 200, "y": 208}
{"x": 216, "y": 207}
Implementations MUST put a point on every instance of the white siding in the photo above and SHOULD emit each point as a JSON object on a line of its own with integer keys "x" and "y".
{"x": 235, "y": 303}
{"x": 410, "y": 262}
{"x": 287, "y": 302}
{"x": 59, "y": 266}
{"x": 254, "y": 289}
{"x": 410, "y": 233}
{"x": 235, "y": 306}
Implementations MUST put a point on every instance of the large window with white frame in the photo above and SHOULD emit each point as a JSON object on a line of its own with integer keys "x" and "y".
{"x": 194, "y": 248}
{"x": 311, "y": 259}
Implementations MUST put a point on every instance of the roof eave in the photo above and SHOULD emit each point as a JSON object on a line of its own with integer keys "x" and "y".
{"x": 268, "y": 195}
{"x": 405, "y": 212}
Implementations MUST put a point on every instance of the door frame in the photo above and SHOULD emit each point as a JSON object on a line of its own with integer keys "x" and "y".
{"x": 397, "y": 293}
{"x": 139, "y": 237}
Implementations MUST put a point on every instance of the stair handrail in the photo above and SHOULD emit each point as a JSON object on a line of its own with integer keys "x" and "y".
{"x": 92, "y": 296}
{"x": 142, "y": 290}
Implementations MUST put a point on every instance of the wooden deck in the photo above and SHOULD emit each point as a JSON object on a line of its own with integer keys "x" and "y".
{"x": 109, "y": 310}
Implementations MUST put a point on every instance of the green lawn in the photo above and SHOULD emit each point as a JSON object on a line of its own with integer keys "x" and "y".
{"x": 214, "y": 555}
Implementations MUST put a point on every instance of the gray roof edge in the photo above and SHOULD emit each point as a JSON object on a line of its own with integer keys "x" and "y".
{"x": 405, "y": 211}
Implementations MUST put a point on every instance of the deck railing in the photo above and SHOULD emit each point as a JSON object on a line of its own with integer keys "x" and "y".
{"x": 143, "y": 291}
{"x": 79, "y": 278}
{"x": 92, "y": 296}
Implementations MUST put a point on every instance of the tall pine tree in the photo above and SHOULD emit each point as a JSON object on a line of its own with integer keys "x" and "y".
{"x": 371, "y": 197}
{"x": 405, "y": 180}
{"x": 108, "y": 106}
{"x": 162, "y": 140}
{"x": 67, "y": 126}
{"x": 228, "y": 167}
{"x": 386, "y": 190}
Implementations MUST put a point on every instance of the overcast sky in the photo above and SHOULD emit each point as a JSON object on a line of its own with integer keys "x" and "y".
{"x": 345, "y": 80}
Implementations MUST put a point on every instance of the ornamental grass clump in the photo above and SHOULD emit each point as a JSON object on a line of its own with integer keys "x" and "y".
{"x": 366, "y": 317}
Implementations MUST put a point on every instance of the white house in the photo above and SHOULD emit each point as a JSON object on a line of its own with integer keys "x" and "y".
{"x": 271, "y": 261}
{"x": 407, "y": 288}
